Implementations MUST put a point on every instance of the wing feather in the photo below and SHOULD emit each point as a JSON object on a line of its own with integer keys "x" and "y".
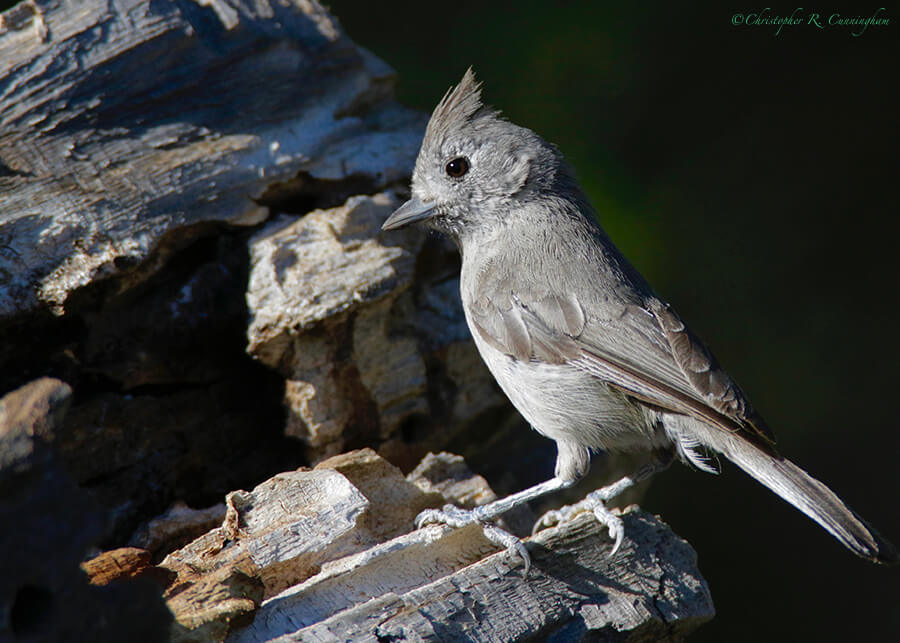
{"x": 645, "y": 351}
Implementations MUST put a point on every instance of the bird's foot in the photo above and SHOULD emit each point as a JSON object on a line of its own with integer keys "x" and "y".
{"x": 595, "y": 503}
{"x": 454, "y": 516}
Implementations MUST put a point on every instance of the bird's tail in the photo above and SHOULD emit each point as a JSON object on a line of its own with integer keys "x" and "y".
{"x": 804, "y": 492}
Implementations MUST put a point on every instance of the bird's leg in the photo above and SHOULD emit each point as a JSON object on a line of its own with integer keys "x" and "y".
{"x": 455, "y": 517}
{"x": 595, "y": 502}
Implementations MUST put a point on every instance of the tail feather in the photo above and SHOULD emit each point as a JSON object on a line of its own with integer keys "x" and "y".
{"x": 806, "y": 493}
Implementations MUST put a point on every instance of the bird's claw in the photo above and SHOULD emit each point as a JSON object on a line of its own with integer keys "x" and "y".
{"x": 453, "y": 516}
{"x": 613, "y": 523}
{"x": 513, "y": 545}
{"x": 593, "y": 503}
{"x": 449, "y": 515}
{"x": 553, "y": 517}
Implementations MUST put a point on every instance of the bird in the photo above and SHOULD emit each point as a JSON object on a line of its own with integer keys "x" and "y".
{"x": 574, "y": 335}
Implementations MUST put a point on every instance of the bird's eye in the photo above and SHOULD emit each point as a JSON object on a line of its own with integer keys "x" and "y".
{"x": 457, "y": 167}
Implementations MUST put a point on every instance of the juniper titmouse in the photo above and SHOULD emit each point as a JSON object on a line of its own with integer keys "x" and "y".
{"x": 576, "y": 338}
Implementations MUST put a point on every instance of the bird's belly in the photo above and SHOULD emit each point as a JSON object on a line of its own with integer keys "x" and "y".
{"x": 565, "y": 403}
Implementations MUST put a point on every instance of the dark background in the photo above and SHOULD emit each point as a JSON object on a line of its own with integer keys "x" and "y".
{"x": 753, "y": 179}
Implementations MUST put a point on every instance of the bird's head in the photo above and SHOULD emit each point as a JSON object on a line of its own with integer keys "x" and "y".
{"x": 473, "y": 166}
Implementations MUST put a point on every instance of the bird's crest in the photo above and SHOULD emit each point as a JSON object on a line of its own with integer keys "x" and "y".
{"x": 460, "y": 105}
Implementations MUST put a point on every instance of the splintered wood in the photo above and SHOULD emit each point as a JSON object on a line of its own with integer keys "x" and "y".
{"x": 332, "y": 554}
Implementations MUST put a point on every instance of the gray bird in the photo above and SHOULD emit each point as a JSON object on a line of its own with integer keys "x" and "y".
{"x": 574, "y": 335}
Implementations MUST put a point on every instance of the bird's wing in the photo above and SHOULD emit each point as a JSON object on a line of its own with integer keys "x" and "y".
{"x": 645, "y": 351}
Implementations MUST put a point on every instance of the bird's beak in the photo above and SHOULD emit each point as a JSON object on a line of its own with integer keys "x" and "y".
{"x": 410, "y": 212}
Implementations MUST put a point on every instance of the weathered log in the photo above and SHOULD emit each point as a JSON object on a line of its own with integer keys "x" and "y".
{"x": 176, "y": 527}
{"x": 332, "y": 308}
{"x": 332, "y": 552}
{"x": 125, "y": 124}
{"x": 574, "y": 591}
{"x": 125, "y": 563}
{"x": 145, "y": 146}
